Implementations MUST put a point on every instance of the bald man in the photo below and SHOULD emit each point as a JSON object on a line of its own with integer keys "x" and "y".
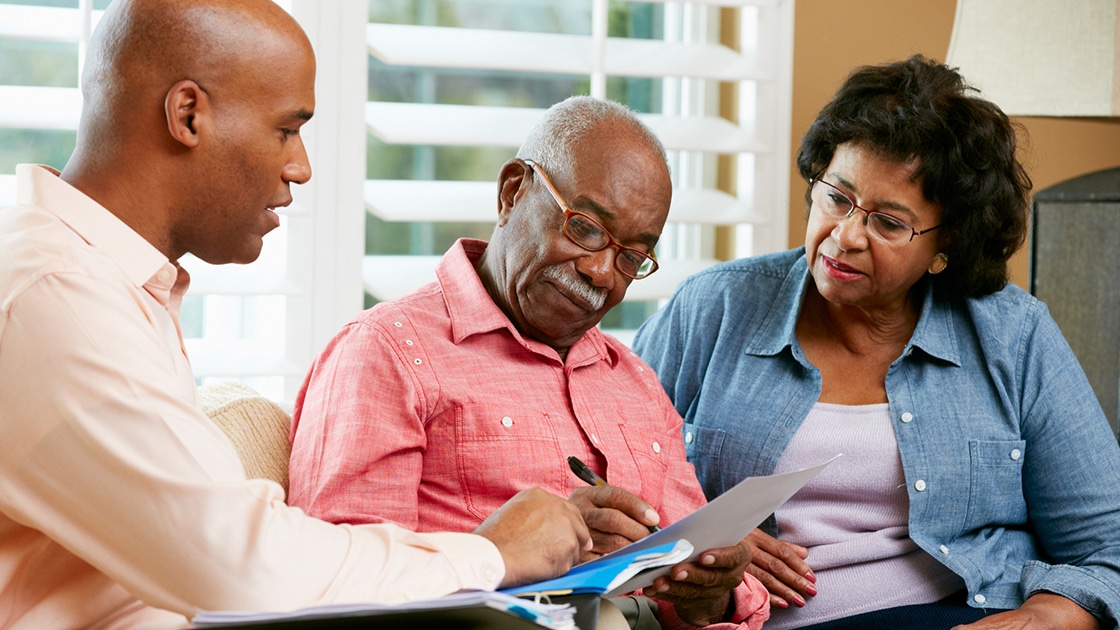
{"x": 121, "y": 504}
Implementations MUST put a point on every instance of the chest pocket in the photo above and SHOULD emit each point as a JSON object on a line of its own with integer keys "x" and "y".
{"x": 649, "y": 456}
{"x": 498, "y": 456}
{"x": 995, "y": 493}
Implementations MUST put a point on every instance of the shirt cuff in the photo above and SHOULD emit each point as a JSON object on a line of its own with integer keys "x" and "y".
{"x": 474, "y": 558}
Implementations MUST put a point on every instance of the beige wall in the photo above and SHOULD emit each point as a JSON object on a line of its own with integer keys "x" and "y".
{"x": 833, "y": 36}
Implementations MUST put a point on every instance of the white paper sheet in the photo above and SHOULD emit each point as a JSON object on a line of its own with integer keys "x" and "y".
{"x": 724, "y": 521}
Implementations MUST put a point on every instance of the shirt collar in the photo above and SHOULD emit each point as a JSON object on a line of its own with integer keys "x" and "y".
{"x": 933, "y": 334}
{"x": 474, "y": 312}
{"x": 779, "y": 328}
{"x": 41, "y": 186}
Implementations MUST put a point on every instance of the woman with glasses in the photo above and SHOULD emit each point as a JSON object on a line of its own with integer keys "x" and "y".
{"x": 980, "y": 481}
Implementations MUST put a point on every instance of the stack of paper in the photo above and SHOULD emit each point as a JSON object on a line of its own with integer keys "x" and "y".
{"x": 458, "y": 610}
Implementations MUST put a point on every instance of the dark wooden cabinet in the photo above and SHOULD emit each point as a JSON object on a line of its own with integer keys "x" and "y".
{"x": 1075, "y": 269}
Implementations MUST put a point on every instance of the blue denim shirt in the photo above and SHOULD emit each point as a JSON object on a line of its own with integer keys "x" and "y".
{"x": 1012, "y": 470}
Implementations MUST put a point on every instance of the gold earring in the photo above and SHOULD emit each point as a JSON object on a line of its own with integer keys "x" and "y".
{"x": 940, "y": 262}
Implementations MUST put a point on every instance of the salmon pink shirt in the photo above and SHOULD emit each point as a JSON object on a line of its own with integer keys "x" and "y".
{"x": 432, "y": 410}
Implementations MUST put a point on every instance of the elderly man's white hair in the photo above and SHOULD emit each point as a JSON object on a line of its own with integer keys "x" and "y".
{"x": 563, "y": 125}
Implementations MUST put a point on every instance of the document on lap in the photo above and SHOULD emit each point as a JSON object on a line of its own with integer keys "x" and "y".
{"x": 465, "y": 609}
{"x": 723, "y": 522}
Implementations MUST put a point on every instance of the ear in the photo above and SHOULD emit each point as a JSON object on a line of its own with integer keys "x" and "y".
{"x": 186, "y": 108}
{"x": 513, "y": 183}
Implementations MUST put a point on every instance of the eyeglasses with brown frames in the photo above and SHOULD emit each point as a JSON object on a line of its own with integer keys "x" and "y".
{"x": 589, "y": 234}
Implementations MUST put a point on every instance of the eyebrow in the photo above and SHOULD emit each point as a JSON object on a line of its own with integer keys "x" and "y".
{"x": 303, "y": 114}
{"x": 879, "y": 204}
{"x": 646, "y": 238}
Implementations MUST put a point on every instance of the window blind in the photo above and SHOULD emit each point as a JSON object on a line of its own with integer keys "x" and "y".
{"x": 418, "y": 104}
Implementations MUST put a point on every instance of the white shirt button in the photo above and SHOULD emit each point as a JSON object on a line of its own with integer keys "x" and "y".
{"x": 979, "y": 599}
{"x": 656, "y": 447}
{"x": 417, "y": 361}
{"x": 507, "y": 421}
{"x": 163, "y": 275}
{"x": 490, "y": 575}
{"x": 907, "y": 417}
{"x": 920, "y": 485}
{"x": 688, "y": 437}
{"x": 398, "y": 324}
{"x": 408, "y": 342}
{"x": 1016, "y": 454}
{"x": 944, "y": 550}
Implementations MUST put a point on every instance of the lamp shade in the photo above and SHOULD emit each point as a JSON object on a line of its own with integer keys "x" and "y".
{"x": 1041, "y": 57}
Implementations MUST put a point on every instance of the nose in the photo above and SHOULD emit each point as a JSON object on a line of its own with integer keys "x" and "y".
{"x": 598, "y": 267}
{"x": 850, "y": 232}
{"x": 298, "y": 168}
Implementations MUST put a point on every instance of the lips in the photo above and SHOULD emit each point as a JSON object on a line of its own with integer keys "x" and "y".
{"x": 839, "y": 270}
{"x": 274, "y": 218}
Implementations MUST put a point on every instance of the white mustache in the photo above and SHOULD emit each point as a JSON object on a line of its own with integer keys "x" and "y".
{"x": 594, "y": 296}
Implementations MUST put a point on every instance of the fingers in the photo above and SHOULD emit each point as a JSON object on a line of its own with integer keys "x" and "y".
{"x": 539, "y": 535}
{"x": 615, "y": 516}
{"x": 782, "y": 569}
{"x": 700, "y": 592}
{"x": 716, "y": 573}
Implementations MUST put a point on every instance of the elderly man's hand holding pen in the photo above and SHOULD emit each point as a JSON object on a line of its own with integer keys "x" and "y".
{"x": 615, "y": 517}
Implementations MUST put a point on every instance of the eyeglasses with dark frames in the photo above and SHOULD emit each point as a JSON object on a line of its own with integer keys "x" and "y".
{"x": 589, "y": 234}
{"x": 880, "y": 225}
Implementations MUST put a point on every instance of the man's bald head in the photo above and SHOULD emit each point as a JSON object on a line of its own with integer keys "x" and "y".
{"x": 190, "y": 126}
{"x": 142, "y": 47}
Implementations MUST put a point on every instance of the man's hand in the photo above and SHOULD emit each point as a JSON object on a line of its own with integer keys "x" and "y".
{"x": 540, "y": 536}
{"x": 700, "y": 592}
{"x": 781, "y": 568}
{"x": 615, "y": 517}
{"x": 1043, "y": 611}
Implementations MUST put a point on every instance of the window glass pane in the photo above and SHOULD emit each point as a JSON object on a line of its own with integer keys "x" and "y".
{"x": 628, "y": 314}
{"x": 48, "y": 64}
{"x": 641, "y": 20}
{"x": 540, "y": 16}
{"x": 98, "y": 5}
{"x": 66, "y": 4}
{"x": 394, "y": 238}
{"x": 395, "y": 161}
{"x": 35, "y": 146}
{"x": 639, "y": 94}
{"x": 464, "y": 86}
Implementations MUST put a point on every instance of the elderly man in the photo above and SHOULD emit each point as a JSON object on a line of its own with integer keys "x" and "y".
{"x": 121, "y": 504}
{"x": 430, "y": 410}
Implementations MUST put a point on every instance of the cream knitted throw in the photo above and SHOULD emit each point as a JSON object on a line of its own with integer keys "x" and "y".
{"x": 257, "y": 426}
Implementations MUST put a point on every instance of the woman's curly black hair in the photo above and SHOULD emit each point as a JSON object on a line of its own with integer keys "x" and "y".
{"x": 964, "y": 147}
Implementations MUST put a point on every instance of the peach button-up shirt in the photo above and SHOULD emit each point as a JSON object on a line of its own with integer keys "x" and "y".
{"x": 121, "y": 504}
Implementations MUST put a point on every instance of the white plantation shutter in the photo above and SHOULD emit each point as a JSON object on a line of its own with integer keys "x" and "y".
{"x": 691, "y": 64}
{"x": 399, "y": 174}
{"x": 39, "y": 107}
{"x": 262, "y": 323}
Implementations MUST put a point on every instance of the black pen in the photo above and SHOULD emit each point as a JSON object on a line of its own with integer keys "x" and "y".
{"x": 588, "y": 476}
